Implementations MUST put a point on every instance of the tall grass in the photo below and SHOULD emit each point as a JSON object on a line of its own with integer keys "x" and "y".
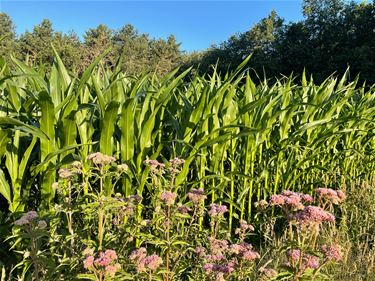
{"x": 241, "y": 141}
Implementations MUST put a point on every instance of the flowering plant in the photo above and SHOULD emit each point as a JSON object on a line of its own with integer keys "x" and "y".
{"x": 96, "y": 233}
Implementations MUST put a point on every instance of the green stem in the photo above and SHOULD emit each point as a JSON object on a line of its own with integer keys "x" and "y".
{"x": 168, "y": 243}
{"x": 101, "y": 224}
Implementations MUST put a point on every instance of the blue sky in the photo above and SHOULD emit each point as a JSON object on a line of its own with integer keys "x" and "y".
{"x": 196, "y": 24}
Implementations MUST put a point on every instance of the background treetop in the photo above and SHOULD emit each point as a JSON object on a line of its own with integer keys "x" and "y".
{"x": 333, "y": 35}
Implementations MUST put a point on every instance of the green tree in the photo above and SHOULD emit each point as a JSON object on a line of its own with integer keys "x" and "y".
{"x": 165, "y": 55}
{"x": 358, "y": 44}
{"x": 96, "y": 41}
{"x": 259, "y": 41}
{"x": 292, "y": 49}
{"x": 7, "y": 35}
{"x": 69, "y": 48}
{"x": 133, "y": 48}
{"x": 37, "y": 44}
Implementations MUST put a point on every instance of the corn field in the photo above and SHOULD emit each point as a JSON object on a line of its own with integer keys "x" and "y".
{"x": 241, "y": 141}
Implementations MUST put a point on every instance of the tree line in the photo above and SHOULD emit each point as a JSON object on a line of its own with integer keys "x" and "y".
{"x": 332, "y": 36}
{"x": 137, "y": 52}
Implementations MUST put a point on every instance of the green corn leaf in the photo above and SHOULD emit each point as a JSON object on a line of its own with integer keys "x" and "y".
{"x": 108, "y": 128}
{"x": 5, "y": 188}
{"x": 23, "y": 127}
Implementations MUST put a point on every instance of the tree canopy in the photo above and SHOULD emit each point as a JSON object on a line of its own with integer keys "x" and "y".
{"x": 332, "y": 36}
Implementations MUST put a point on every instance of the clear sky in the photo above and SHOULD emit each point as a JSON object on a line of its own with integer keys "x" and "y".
{"x": 196, "y": 24}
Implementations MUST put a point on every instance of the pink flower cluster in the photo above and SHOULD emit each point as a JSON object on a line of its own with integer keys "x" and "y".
{"x": 244, "y": 227}
{"x": 175, "y": 162}
{"x": 156, "y": 167}
{"x": 225, "y": 268}
{"x": 261, "y": 204}
{"x": 153, "y": 163}
{"x": 200, "y": 251}
{"x": 174, "y": 165}
{"x": 332, "y": 252}
{"x": 26, "y": 218}
{"x": 99, "y": 158}
{"x": 217, "y": 246}
{"x": 291, "y": 200}
{"x": 334, "y": 196}
{"x": 196, "y": 196}
{"x": 244, "y": 251}
{"x": 312, "y": 214}
{"x": 65, "y": 173}
{"x": 106, "y": 263}
{"x": 217, "y": 210}
{"x": 142, "y": 261}
{"x": 122, "y": 168}
{"x": 307, "y": 261}
{"x": 223, "y": 257}
{"x": 168, "y": 197}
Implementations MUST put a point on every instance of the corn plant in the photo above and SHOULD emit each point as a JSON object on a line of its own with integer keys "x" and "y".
{"x": 241, "y": 141}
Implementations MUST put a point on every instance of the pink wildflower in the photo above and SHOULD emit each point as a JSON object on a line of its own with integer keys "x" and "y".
{"x": 308, "y": 261}
{"x": 153, "y": 262}
{"x": 168, "y": 197}
{"x": 208, "y": 268}
{"x": 152, "y": 162}
{"x": 138, "y": 259}
{"x": 196, "y": 196}
{"x": 141, "y": 260}
{"x": 311, "y": 261}
{"x": 227, "y": 268}
{"x": 218, "y": 257}
{"x": 294, "y": 255}
{"x": 292, "y": 200}
{"x": 307, "y": 198}
{"x": 332, "y": 253}
{"x": 65, "y": 173}
{"x": 21, "y": 221}
{"x": 313, "y": 214}
{"x": 261, "y": 205}
{"x": 99, "y": 158}
{"x": 139, "y": 254}
{"x": 176, "y": 162}
{"x": 240, "y": 249}
{"x": 110, "y": 254}
{"x": 335, "y": 197}
{"x": 200, "y": 251}
{"x": 111, "y": 270}
{"x": 250, "y": 255}
{"x": 218, "y": 246}
{"x": 88, "y": 252}
{"x": 88, "y": 262}
{"x": 155, "y": 165}
{"x": 217, "y": 210}
{"x": 244, "y": 226}
{"x": 26, "y": 218}
{"x": 102, "y": 260}
{"x": 219, "y": 269}
{"x": 123, "y": 168}
{"x": 31, "y": 215}
{"x": 277, "y": 200}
